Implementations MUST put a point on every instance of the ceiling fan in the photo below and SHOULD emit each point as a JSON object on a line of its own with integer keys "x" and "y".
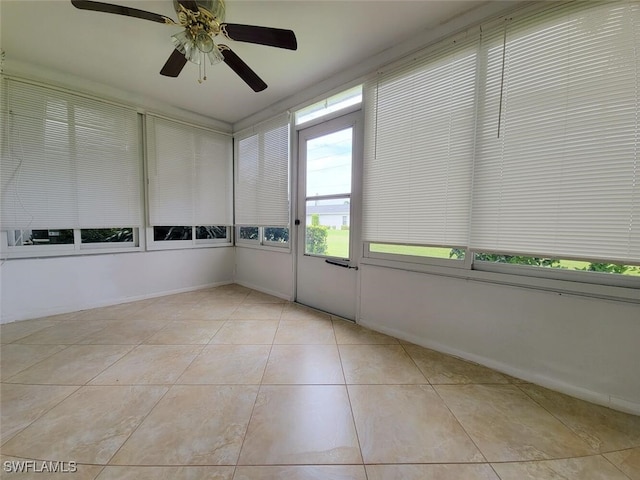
{"x": 203, "y": 20}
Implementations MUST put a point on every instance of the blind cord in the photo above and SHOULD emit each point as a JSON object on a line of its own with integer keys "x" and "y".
{"x": 504, "y": 54}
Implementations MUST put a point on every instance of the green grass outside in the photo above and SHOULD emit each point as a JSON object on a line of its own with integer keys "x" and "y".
{"x": 438, "y": 252}
{"x": 338, "y": 243}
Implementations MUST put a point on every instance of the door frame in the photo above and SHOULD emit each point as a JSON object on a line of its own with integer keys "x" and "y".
{"x": 350, "y": 118}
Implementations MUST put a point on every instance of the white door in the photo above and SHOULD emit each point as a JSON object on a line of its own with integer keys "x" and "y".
{"x": 328, "y": 215}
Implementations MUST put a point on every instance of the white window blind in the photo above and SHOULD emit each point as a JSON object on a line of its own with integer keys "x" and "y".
{"x": 419, "y": 123}
{"x": 189, "y": 174}
{"x": 262, "y": 174}
{"x": 563, "y": 178}
{"x": 68, "y": 161}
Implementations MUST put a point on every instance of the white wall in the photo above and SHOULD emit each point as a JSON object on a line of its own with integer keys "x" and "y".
{"x": 582, "y": 346}
{"x": 265, "y": 270}
{"x": 37, "y": 287}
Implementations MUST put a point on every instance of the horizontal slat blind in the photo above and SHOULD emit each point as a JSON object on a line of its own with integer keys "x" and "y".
{"x": 68, "y": 161}
{"x": 262, "y": 174}
{"x": 563, "y": 178}
{"x": 189, "y": 174}
{"x": 419, "y": 121}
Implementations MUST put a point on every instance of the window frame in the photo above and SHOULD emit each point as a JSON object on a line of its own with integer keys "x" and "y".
{"x": 76, "y": 248}
{"x": 260, "y": 242}
{"x": 153, "y": 244}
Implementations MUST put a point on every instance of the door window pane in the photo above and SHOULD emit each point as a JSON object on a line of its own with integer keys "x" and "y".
{"x": 325, "y": 232}
{"x": 329, "y": 163}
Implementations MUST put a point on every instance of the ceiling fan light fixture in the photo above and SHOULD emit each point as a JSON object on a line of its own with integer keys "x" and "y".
{"x": 184, "y": 43}
{"x": 215, "y": 56}
{"x": 204, "y": 42}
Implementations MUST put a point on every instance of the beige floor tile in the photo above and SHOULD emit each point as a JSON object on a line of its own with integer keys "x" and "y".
{"x": 440, "y": 368}
{"x": 224, "y": 305}
{"x": 227, "y": 293}
{"x": 165, "y": 311}
{"x": 125, "y": 332}
{"x": 349, "y": 333}
{"x": 28, "y": 469}
{"x": 306, "y": 472}
{"x": 408, "y": 424}
{"x": 305, "y": 332}
{"x": 112, "y": 312}
{"x": 602, "y": 428}
{"x": 246, "y": 332}
{"x": 627, "y": 460}
{"x": 20, "y": 405}
{"x": 186, "y": 332}
{"x": 185, "y": 298}
{"x": 304, "y": 364}
{"x": 295, "y": 311}
{"x": 149, "y": 364}
{"x": 88, "y": 426}
{"x": 431, "y": 472}
{"x": 258, "y": 311}
{"x": 259, "y": 297}
{"x": 192, "y": 425}
{"x": 301, "y": 425}
{"x": 508, "y": 426}
{"x": 166, "y": 473}
{"x": 61, "y": 317}
{"x": 379, "y": 364}
{"x": 227, "y": 364}
{"x": 65, "y": 333}
{"x": 10, "y": 332}
{"x": 212, "y": 311}
{"x": 75, "y": 365}
{"x": 15, "y": 357}
{"x": 586, "y": 468}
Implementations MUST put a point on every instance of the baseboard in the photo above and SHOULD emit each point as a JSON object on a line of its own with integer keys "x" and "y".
{"x": 598, "y": 398}
{"x": 261, "y": 289}
{"x": 45, "y": 312}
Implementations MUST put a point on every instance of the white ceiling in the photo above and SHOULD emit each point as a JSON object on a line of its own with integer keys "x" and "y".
{"x": 127, "y": 53}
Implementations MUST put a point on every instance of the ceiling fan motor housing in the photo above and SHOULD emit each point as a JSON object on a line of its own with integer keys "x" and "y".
{"x": 215, "y": 7}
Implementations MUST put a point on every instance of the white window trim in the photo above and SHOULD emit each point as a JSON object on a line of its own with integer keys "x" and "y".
{"x": 77, "y": 248}
{"x": 587, "y": 284}
{"x": 153, "y": 245}
{"x": 260, "y": 243}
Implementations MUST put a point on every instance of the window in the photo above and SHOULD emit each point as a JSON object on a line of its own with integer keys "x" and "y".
{"x": 263, "y": 236}
{"x": 187, "y": 234}
{"x": 333, "y": 104}
{"x": 71, "y": 167}
{"x": 262, "y": 183}
{"x": 278, "y": 236}
{"x": 107, "y": 235}
{"x": 189, "y": 185}
{"x": 514, "y": 154}
{"x": 419, "y": 127}
{"x": 561, "y": 179}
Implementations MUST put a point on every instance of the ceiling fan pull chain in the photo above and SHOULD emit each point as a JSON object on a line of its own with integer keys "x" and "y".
{"x": 204, "y": 63}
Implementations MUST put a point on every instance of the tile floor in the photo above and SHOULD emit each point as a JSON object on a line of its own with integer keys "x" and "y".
{"x": 229, "y": 383}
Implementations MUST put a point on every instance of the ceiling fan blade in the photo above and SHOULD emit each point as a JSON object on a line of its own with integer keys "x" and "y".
{"x": 174, "y": 65}
{"x": 189, "y": 5}
{"x": 121, "y": 10}
{"x": 273, "y": 37}
{"x": 243, "y": 70}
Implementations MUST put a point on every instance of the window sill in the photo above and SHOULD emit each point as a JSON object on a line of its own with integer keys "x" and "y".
{"x": 266, "y": 248}
{"x": 67, "y": 252}
{"x": 516, "y": 279}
